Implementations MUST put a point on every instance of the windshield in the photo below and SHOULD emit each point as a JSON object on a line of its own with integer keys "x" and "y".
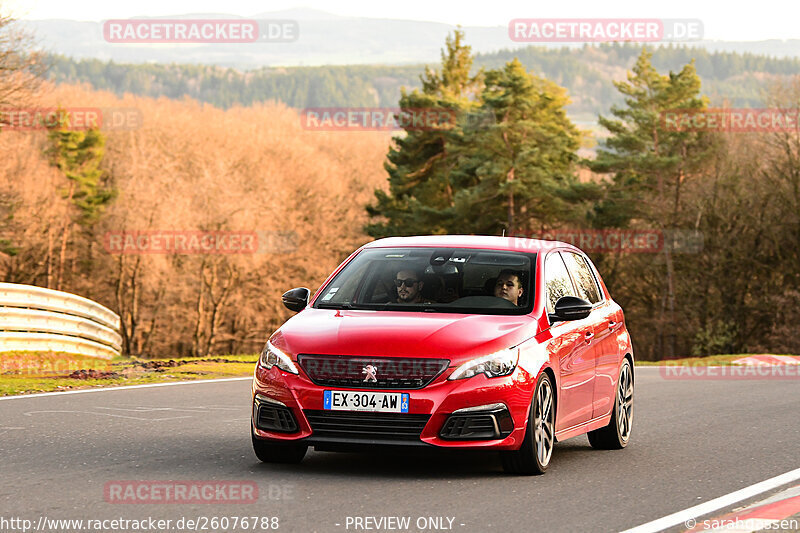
{"x": 456, "y": 280}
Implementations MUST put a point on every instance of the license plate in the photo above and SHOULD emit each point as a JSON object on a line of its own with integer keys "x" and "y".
{"x": 379, "y": 402}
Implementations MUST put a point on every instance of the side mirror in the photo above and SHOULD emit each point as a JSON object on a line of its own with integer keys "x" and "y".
{"x": 296, "y": 299}
{"x": 572, "y": 308}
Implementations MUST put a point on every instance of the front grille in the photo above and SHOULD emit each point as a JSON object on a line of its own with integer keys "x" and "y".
{"x": 351, "y": 425}
{"x": 275, "y": 418}
{"x": 371, "y": 372}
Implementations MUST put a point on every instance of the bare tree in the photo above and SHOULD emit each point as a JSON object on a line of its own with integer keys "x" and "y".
{"x": 191, "y": 167}
{"x": 20, "y": 66}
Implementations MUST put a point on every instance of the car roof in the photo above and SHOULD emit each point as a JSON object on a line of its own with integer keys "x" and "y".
{"x": 516, "y": 244}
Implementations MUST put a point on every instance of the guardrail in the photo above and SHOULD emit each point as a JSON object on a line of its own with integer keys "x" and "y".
{"x": 38, "y": 319}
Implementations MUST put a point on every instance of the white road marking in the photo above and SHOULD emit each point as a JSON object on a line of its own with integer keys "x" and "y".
{"x": 198, "y": 409}
{"x": 692, "y": 513}
{"x": 29, "y": 413}
{"x": 126, "y": 387}
{"x": 779, "y": 497}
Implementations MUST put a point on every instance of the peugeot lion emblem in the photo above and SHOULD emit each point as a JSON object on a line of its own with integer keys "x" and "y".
{"x": 370, "y": 371}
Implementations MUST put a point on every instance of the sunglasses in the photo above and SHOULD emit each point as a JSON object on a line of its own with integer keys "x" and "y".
{"x": 407, "y": 282}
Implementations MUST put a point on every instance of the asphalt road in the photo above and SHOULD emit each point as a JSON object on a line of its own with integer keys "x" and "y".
{"x": 692, "y": 441}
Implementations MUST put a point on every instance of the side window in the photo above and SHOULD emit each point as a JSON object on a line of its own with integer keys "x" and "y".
{"x": 557, "y": 282}
{"x": 582, "y": 274}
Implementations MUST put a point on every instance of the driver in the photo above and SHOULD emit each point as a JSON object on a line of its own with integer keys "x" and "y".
{"x": 509, "y": 286}
{"x": 409, "y": 287}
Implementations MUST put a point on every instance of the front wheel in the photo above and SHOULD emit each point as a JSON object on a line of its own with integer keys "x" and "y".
{"x": 533, "y": 457}
{"x": 616, "y": 434}
{"x": 269, "y": 452}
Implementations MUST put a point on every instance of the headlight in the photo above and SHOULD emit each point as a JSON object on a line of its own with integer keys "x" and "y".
{"x": 494, "y": 365}
{"x": 272, "y": 356}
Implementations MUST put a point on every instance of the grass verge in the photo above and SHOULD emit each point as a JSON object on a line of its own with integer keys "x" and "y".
{"x": 709, "y": 360}
{"x": 32, "y": 372}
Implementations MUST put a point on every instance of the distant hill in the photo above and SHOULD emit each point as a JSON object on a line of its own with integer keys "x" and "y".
{"x": 324, "y": 39}
{"x": 587, "y": 72}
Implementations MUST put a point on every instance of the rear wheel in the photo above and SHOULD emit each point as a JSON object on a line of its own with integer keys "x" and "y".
{"x": 616, "y": 434}
{"x": 270, "y": 452}
{"x": 533, "y": 457}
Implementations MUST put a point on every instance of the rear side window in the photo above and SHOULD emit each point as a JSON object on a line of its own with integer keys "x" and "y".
{"x": 557, "y": 282}
{"x": 582, "y": 274}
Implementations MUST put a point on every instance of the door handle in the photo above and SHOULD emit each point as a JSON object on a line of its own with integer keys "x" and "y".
{"x": 589, "y": 336}
{"x": 612, "y": 324}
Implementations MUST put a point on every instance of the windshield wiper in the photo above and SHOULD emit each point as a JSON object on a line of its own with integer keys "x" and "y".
{"x": 395, "y": 306}
{"x": 332, "y": 305}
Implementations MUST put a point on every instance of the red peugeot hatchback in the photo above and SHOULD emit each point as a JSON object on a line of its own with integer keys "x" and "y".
{"x": 496, "y": 343}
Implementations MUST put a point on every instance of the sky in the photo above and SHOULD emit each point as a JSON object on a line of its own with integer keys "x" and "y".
{"x": 766, "y": 19}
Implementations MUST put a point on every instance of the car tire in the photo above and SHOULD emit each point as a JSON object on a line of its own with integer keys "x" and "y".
{"x": 270, "y": 452}
{"x": 533, "y": 457}
{"x": 617, "y": 433}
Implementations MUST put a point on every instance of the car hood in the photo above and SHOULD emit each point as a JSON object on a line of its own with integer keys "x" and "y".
{"x": 457, "y": 337}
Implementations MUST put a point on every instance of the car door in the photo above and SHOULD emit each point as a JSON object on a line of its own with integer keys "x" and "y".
{"x": 572, "y": 342}
{"x": 606, "y": 318}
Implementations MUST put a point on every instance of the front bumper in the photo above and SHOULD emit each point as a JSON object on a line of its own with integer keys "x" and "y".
{"x": 438, "y": 414}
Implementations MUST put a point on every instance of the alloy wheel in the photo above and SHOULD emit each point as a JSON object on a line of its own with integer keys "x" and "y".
{"x": 625, "y": 403}
{"x": 544, "y": 423}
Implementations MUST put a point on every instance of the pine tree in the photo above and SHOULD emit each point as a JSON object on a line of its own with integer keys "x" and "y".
{"x": 7, "y": 207}
{"x": 78, "y": 155}
{"x": 516, "y": 172}
{"x": 648, "y": 160}
{"x": 419, "y": 164}
{"x": 649, "y": 163}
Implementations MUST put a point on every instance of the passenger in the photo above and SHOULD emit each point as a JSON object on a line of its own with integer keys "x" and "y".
{"x": 409, "y": 287}
{"x": 509, "y": 286}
